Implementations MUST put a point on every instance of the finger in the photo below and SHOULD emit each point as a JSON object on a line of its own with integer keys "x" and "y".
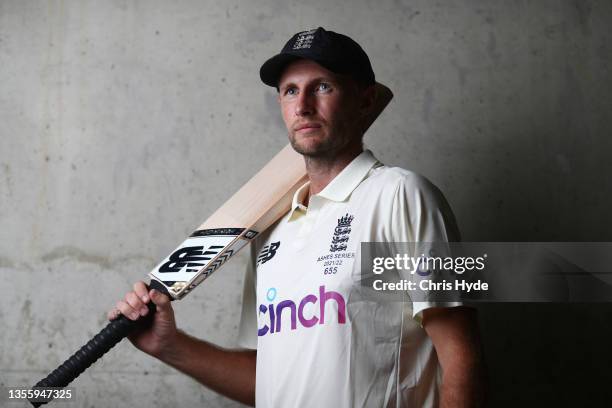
{"x": 127, "y": 310}
{"x": 136, "y": 303}
{"x": 141, "y": 290}
{"x": 113, "y": 314}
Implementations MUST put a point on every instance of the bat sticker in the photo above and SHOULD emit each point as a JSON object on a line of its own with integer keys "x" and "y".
{"x": 199, "y": 256}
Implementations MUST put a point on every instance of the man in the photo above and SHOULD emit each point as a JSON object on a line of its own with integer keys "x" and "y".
{"x": 310, "y": 331}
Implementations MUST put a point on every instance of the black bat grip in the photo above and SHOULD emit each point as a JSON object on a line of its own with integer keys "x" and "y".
{"x": 95, "y": 348}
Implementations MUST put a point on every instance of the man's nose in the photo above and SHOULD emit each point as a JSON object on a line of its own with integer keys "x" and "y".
{"x": 305, "y": 104}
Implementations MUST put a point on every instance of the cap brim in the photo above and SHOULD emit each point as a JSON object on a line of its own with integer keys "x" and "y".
{"x": 271, "y": 71}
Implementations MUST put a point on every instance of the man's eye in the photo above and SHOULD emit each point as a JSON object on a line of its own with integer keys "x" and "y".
{"x": 324, "y": 87}
{"x": 290, "y": 91}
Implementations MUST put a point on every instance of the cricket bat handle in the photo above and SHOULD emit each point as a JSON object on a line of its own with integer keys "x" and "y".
{"x": 95, "y": 348}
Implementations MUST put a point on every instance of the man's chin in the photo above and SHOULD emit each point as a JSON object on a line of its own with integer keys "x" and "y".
{"x": 309, "y": 148}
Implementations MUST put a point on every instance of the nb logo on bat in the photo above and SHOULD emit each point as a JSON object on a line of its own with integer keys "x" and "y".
{"x": 192, "y": 258}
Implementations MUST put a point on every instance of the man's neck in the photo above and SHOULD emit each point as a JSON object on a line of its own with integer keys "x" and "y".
{"x": 322, "y": 170}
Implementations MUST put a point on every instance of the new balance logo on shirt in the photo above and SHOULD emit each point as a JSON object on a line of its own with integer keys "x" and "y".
{"x": 268, "y": 252}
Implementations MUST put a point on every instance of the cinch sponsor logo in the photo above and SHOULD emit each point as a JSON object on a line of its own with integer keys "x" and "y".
{"x": 307, "y": 318}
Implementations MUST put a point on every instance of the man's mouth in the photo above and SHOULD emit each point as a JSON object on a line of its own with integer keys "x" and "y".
{"x": 307, "y": 127}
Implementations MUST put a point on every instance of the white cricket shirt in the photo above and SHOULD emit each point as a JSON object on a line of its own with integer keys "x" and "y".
{"x": 320, "y": 342}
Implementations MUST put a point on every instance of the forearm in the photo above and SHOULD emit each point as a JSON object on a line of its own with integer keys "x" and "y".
{"x": 454, "y": 333}
{"x": 463, "y": 385}
{"x": 228, "y": 372}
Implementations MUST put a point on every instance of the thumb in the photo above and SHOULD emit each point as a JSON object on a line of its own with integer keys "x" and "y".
{"x": 162, "y": 302}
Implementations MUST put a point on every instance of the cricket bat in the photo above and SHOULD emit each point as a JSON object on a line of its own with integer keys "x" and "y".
{"x": 251, "y": 210}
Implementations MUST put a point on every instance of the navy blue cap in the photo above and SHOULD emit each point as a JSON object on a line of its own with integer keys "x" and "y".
{"x": 336, "y": 52}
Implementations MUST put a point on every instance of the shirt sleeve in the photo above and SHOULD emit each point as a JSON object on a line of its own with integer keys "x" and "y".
{"x": 247, "y": 332}
{"x": 422, "y": 217}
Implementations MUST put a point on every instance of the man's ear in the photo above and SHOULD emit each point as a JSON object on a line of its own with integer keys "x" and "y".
{"x": 368, "y": 97}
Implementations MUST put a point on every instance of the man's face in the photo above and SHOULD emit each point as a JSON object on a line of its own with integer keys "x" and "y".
{"x": 320, "y": 108}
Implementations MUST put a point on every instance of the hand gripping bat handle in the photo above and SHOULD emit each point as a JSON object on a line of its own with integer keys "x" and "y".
{"x": 95, "y": 348}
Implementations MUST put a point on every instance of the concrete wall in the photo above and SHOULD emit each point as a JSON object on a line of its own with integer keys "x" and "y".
{"x": 124, "y": 123}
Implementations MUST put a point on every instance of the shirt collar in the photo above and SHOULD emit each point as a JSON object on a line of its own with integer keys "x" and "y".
{"x": 341, "y": 187}
{"x": 349, "y": 178}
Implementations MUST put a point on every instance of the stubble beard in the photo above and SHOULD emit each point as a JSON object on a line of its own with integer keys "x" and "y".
{"x": 319, "y": 149}
{"x": 326, "y": 146}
